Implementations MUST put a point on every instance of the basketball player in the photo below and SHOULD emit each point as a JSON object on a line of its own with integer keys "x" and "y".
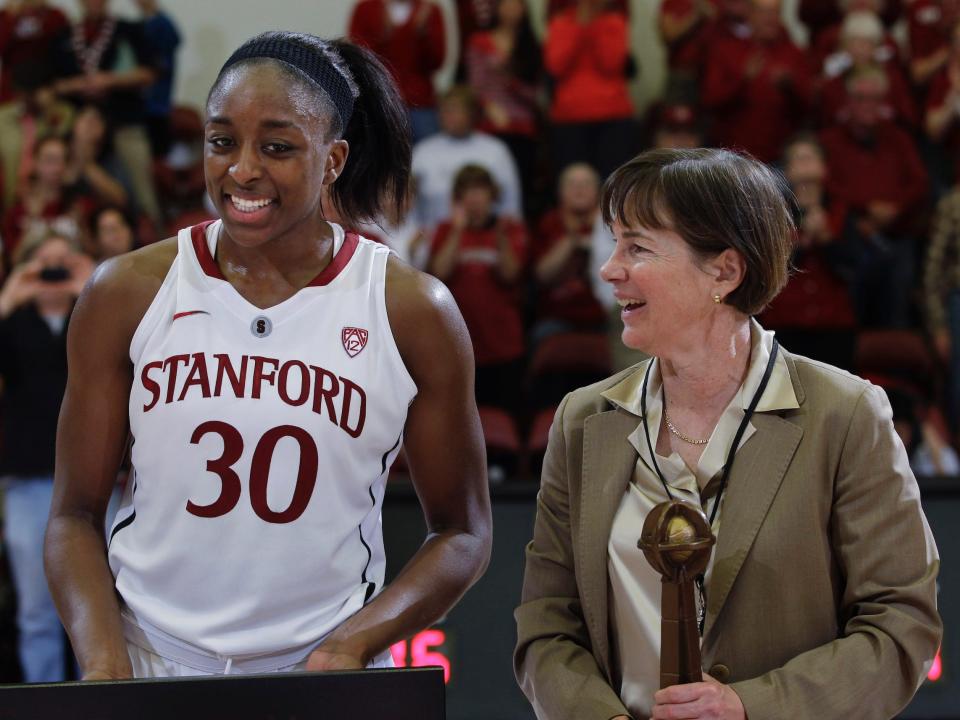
{"x": 268, "y": 367}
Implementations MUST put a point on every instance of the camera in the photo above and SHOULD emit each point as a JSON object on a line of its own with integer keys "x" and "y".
{"x": 54, "y": 274}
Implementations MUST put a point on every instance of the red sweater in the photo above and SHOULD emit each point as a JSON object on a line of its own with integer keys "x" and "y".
{"x": 413, "y": 51}
{"x": 756, "y": 114}
{"x": 588, "y": 64}
{"x": 24, "y": 38}
{"x": 570, "y": 296}
{"x": 830, "y": 42}
{"x": 927, "y": 28}
{"x": 690, "y": 51}
{"x": 903, "y": 110}
{"x": 490, "y": 307}
{"x": 888, "y": 169}
{"x": 815, "y": 298}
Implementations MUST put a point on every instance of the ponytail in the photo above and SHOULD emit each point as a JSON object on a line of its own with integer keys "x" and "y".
{"x": 375, "y": 181}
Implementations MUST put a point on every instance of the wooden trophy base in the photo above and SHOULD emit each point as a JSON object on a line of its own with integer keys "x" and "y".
{"x": 679, "y": 635}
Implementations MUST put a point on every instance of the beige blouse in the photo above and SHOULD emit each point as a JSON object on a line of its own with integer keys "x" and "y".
{"x": 634, "y": 585}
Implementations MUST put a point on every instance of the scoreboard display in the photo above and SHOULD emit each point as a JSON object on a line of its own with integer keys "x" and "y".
{"x": 474, "y": 643}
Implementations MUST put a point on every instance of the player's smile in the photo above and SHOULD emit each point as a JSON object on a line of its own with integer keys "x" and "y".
{"x": 248, "y": 210}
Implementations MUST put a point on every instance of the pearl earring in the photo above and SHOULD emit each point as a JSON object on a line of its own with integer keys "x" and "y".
{"x": 717, "y": 299}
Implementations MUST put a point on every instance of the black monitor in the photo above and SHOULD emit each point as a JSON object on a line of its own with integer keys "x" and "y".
{"x": 398, "y": 694}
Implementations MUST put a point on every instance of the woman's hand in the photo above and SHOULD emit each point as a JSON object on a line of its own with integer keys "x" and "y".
{"x": 707, "y": 700}
{"x": 321, "y": 659}
{"x": 96, "y": 674}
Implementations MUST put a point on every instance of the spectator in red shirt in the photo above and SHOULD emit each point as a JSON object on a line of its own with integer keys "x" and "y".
{"x": 504, "y": 66}
{"x": 689, "y": 28}
{"x": 561, "y": 256}
{"x": 827, "y": 52}
{"x": 586, "y": 53}
{"x": 929, "y": 26}
{"x": 108, "y": 61}
{"x": 862, "y": 46}
{"x": 480, "y": 257}
{"x": 28, "y": 30}
{"x": 34, "y": 114}
{"x": 45, "y": 202}
{"x": 472, "y": 16}
{"x": 758, "y": 88}
{"x": 409, "y": 36}
{"x": 814, "y": 310}
{"x": 876, "y": 171}
{"x": 685, "y": 27}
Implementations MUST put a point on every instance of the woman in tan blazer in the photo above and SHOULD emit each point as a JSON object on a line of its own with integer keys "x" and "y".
{"x": 820, "y": 594}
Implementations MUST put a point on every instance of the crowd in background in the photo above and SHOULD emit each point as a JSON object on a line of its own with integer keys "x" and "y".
{"x": 509, "y": 161}
{"x": 864, "y": 121}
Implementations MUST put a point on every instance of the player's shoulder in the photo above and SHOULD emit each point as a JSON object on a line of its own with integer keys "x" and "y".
{"x": 114, "y": 301}
{"x": 123, "y": 287}
{"x": 414, "y": 292}
{"x": 138, "y": 272}
{"x": 424, "y": 318}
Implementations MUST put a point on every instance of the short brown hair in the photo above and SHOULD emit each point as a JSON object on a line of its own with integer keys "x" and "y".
{"x": 714, "y": 200}
{"x": 474, "y": 176}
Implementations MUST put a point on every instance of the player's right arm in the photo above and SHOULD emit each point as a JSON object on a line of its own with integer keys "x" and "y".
{"x": 91, "y": 437}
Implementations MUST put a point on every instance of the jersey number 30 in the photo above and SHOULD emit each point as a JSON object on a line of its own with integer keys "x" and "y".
{"x": 230, "y": 489}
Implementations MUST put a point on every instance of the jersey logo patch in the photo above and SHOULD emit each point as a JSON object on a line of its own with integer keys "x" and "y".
{"x": 354, "y": 340}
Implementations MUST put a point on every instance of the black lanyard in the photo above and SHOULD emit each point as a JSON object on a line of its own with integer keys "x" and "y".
{"x": 730, "y": 453}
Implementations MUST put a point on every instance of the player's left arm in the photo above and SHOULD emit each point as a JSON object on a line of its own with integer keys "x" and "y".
{"x": 445, "y": 452}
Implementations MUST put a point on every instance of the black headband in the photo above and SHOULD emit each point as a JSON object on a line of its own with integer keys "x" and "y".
{"x": 311, "y": 62}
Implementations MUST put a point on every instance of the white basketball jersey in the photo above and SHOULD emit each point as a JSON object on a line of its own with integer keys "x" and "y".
{"x": 262, "y": 442}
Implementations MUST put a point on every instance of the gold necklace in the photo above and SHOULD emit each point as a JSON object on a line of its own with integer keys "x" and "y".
{"x": 679, "y": 434}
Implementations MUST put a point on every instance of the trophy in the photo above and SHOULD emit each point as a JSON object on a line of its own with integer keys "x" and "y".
{"x": 676, "y": 541}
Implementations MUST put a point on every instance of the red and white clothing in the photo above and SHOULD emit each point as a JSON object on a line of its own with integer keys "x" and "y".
{"x": 490, "y": 307}
{"x": 885, "y": 167}
{"x": 759, "y": 113}
{"x": 901, "y": 107}
{"x": 688, "y": 53}
{"x": 413, "y": 51}
{"x": 928, "y": 26}
{"x": 26, "y": 37}
{"x": 495, "y": 83}
{"x": 588, "y": 63}
{"x": 569, "y": 297}
{"x": 262, "y": 439}
{"x": 828, "y": 57}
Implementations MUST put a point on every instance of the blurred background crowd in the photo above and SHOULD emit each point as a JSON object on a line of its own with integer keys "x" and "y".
{"x": 864, "y": 121}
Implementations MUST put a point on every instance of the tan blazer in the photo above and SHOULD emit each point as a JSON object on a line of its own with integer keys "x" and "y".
{"x": 822, "y": 602}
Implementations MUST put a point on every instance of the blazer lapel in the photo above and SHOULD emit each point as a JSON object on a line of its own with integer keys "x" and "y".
{"x": 608, "y": 465}
{"x": 756, "y": 476}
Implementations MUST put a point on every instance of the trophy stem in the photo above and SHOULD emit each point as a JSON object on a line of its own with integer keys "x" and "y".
{"x": 679, "y": 635}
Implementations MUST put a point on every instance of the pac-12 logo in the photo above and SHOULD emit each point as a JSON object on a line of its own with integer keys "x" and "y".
{"x": 354, "y": 340}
